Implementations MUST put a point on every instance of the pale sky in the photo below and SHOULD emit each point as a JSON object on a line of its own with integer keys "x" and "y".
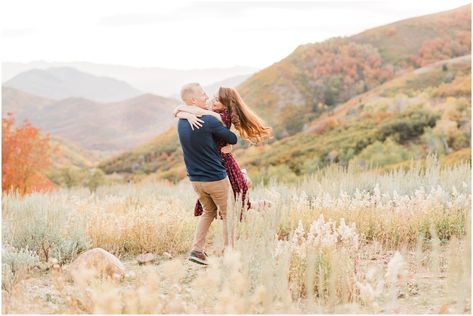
{"x": 187, "y": 34}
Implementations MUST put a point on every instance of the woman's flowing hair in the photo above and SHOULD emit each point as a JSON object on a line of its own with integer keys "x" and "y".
{"x": 246, "y": 122}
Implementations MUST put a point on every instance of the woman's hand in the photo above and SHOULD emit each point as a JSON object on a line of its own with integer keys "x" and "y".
{"x": 227, "y": 149}
{"x": 194, "y": 121}
{"x": 247, "y": 178}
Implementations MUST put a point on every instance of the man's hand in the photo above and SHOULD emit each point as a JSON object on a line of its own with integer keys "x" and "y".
{"x": 227, "y": 149}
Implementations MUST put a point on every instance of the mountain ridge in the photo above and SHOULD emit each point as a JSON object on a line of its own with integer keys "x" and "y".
{"x": 63, "y": 82}
{"x": 108, "y": 127}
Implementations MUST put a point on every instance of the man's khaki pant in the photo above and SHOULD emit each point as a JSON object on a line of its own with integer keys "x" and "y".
{"x": 213, "y": 197}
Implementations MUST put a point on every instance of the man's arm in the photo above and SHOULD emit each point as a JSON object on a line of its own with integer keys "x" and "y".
{"x": 219, "y": 130}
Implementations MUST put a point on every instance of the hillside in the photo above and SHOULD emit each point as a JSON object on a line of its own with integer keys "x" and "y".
{"x": 65, "y": 82}
{"x": 422, "y": 39}
{"x": 318, "y": 76}
{"x": 92, "y": 125}
{"x": 161, "y": 154}
{"x": 423, "y": 111}
{"x": 70, "y": 154}
{"x": 21, "y": 103}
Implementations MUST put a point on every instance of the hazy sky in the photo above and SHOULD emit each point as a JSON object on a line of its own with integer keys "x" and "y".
{"x": 187, "y": 34}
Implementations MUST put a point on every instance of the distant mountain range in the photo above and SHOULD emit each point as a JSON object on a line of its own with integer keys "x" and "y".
{"x": 155, "y": 80}
{"x": 111, "y": 126}
{"x": 65, "y": 82}
{"x": 94, "y": 113}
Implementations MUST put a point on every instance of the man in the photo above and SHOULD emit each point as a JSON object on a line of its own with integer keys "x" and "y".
{"x": 205, "y": 168}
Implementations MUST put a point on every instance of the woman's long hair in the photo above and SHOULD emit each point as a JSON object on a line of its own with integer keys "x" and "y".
{"x": 246, "y": 122}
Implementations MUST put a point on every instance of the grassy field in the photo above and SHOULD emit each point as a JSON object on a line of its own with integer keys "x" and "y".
{"x": 337, "y": 241}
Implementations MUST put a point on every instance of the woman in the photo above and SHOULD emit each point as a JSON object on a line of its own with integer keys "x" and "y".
{"x": 228, "y": 107}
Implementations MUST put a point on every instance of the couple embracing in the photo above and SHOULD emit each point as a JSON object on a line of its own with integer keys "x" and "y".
{"x": 206, "y": 141}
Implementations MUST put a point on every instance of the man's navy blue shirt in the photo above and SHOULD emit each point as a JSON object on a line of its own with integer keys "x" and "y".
{"x": 202, "y": 159}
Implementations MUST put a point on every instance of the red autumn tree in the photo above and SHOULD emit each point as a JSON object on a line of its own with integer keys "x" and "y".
{"x": 25, "y": 155}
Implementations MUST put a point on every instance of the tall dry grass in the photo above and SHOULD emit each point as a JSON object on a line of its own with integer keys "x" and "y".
{"x": 310, "y": 252}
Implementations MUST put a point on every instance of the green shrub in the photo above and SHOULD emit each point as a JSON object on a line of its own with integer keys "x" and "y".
{"x": 43, "y": 225}
{"x": 15, "y": 264}
{"x": 380, "y": 154}
{"x": 96, "y": 178}
{"x": 407, "y": 125}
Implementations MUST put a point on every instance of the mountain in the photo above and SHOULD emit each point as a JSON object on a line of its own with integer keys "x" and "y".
{"x": 318, "y": 76}
{"x": 65, "y": 82}
{"x": 422, "y": 40}
{"x": 106, "y": 127}
{"x": 161, "y": 153}
{"x": 72, "y": 155}
{"x": 22, "y": 104}
{"x": 155, "y": 80}
{"x": 426, "y": 110}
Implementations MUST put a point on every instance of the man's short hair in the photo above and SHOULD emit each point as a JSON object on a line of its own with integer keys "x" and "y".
{"x": 189, "y": 90}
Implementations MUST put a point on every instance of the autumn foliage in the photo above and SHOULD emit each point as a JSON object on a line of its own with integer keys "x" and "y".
{"x": 338, "y": 69}
{"x": 25, "y": 156}
{"x": 443, "y": 48}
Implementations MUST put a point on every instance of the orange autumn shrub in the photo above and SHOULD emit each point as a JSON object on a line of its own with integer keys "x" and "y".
{"x": 25, "y": 156}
